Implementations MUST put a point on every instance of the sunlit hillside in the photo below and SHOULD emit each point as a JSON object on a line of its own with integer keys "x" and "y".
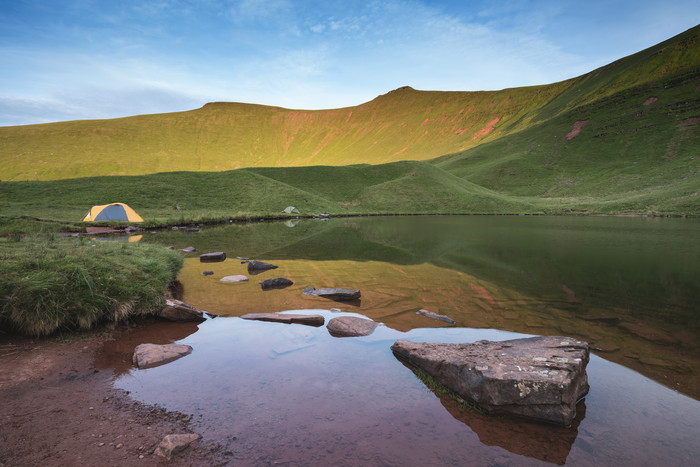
{"x": 404, "y": 124}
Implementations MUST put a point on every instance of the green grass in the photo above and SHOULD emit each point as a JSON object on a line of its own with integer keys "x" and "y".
{"x": 242, "y": 161}
{"x": 49, "y": 285}
{"x": 402, "y": 187}
{"x": 404, "y": 124}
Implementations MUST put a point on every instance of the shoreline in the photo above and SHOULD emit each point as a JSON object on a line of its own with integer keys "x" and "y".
{"x": 60, "y": 408}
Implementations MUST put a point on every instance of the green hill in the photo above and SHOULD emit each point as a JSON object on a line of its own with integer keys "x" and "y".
{"x": 621, "y": 139}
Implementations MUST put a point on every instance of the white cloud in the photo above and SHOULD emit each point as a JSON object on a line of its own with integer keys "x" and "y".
{"x": 145, "y": 57}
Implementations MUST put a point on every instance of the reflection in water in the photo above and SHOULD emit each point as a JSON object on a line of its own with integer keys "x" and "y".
{"x": 548, "y": 443}
{"x": 117, "y": 354}
{"x": 626, "y": 285}
{"x": 393, "y": 294}
{"x": 278, "y": 393}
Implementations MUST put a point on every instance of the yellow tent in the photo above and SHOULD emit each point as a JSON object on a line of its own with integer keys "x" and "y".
{"x": 112, "y": 212}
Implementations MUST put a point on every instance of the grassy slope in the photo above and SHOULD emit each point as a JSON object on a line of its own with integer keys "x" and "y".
{"x": 629, "y": 157}
{"x": 403, "y": 125}
{"x": 634, "y": 154}
{"x": 403, "y": 187}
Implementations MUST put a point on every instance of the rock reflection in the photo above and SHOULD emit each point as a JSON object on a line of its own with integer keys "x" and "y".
{"x": 545, "y": 442}
{"x": 117, "y": 354}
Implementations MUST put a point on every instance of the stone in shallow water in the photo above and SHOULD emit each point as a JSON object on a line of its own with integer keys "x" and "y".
{"x": 350, "y": 326}
{"x": 176, "y": 310}
{"x": 215, "y": 257}
{"x": 334, "y": 294}
{"x": 277, "y": 283}
{"x": 541, "y": 378}
{"x": 256, "y": 267}
{"x": 437, "y": 316}
{"x": 174, "y": 444}
{"x": 309, "y": 320}
{"x": 235, "y": 278}
{"x": 152, "y": 355}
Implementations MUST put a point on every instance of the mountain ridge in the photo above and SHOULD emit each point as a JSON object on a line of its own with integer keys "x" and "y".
{"x": 623, "y": 138}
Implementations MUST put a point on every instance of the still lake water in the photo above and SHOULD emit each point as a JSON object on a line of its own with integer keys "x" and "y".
{"x": 292, "y": 394}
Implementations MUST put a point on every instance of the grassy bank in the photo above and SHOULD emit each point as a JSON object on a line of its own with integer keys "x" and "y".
{"x": 49, "y": 285}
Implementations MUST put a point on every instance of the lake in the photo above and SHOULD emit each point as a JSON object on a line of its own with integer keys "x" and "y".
{"x": 274, "y": 393}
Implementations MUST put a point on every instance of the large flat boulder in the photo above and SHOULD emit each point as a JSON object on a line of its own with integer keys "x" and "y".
{"x": 152, "y": 355}
{"x": 541, "y": 378}
{"x": 350, "y": 326}
{"x": 287, "y": 318}
{"x": 176, "y": 310}
{"x": 334, "y": 294}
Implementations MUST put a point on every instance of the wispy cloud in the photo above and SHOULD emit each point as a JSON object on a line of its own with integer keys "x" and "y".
{"x": 87, "y": 59}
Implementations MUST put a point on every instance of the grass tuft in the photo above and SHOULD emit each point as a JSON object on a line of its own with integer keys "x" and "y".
{"x": 49, "y": 285}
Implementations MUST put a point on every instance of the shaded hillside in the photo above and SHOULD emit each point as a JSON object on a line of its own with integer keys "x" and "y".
{"x": 402, "y": 125}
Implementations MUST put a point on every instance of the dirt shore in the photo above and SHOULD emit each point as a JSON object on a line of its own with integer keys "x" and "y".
{"x": 58, "y": 408}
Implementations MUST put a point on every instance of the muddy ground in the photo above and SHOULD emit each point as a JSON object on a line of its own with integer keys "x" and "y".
{"x": 57, "y": 407}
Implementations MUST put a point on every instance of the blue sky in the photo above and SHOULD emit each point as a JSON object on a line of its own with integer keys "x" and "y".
{"x": 84, "y": 59}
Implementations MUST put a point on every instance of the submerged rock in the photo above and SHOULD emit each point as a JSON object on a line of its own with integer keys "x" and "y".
{"x": 174, "y": 444}
{"x": 432, "y": 315}
{"x": 538, "y": 377}
{"x": 350, "y": 326}
{"x": 309, "y": 320}
{"x": 236, "y": 278}
{"x": 176, "y": 310}
{"x": 278, "y": 283}
{"x": 334, "y": 294}
{"x": 152, "y": 355}
{"x": 215, "y": 257}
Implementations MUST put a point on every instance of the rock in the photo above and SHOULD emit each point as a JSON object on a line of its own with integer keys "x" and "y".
{"x": 174, "y": 444}
{"x": 207, "y": 273}
{"x": 538, "y": 377}
{"x": 212, "y": 257}
{"x": 237, "y": 278}
{"x": 189, "y": 249}
{"x": 152, "y": 355}
{"x": 278, "y": 283}
{"x": 309, "y": 320}
{"x": 334, "y": 294}
{"x": 350, "y": 326}
{"x": 430, "y": 314}
{"x": 176, "y": 310}
{"x": 256, "y": 267}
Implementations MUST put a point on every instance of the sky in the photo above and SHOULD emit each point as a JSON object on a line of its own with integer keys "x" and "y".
{"x": 91, "y": 59}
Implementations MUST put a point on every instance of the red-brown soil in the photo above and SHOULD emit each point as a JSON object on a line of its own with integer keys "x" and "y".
{"x": 578, "y": 126}
{"x": 57, "y": 408}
